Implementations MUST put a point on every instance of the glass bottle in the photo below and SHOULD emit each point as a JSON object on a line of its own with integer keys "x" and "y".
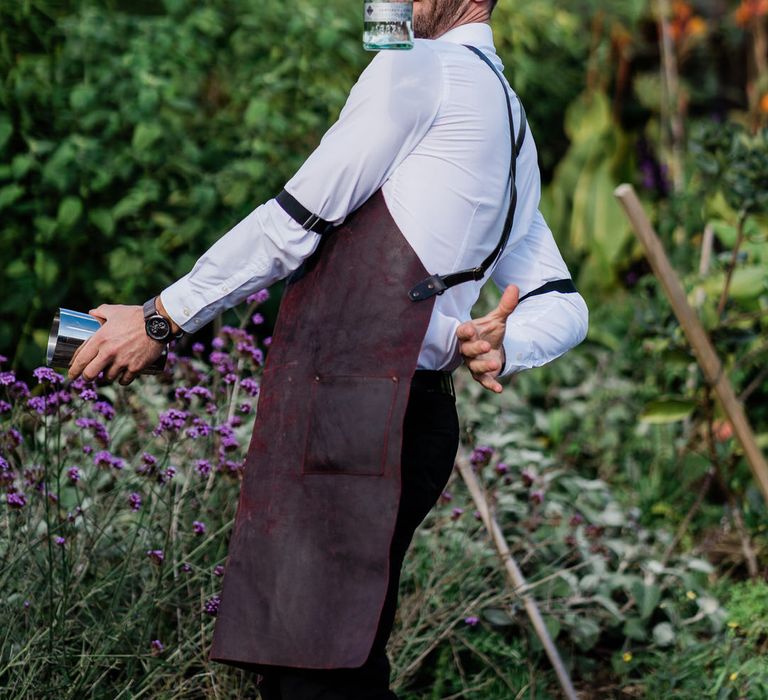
{"x": 388, "y": 24}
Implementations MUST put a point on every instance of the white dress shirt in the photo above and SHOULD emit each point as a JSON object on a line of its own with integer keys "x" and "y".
{"x": 430, "y": 127}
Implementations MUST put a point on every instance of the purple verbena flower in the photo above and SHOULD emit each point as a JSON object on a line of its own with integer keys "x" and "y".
{"x": 37, "y": 404}
{"x": 5, "y": 407}
{"x": 537, "y": 497}
{"x": 14, "y": 437}
{"x": 198, "y": 527}
{"x": 446, "y": 496}
{"x": 73, "y": 473}
{"x": 576, "y": 520}
{"x": 502, "y": 469}
{"x": 165, "y": 476}
{"x": 171, "y": 421}
{"x": 250, "y": 386}
{"x": 186, "y": 568}
{"x": 99, "y": 430}
{"x": 471, "y": 621}
{"x": 156, "y": 555}
{"x": 257, "y": 319}
{"x": 258, "y": 298}
{"x": 88, "y": 395}
{"x": 3, "y": 359}
{"x": 157, "y": 646}
{"x": 7, "y": 378}
{"x": 212, "y": 605}
{"x": 481, "y": 456}
{"x": 16, "y": 500}
{"x": 267, "y": 342}
{"x": 218, "y": 570}
{"x": 245, "y": 408}
{"x": 46, "y": 374}
{"x": 134, "y": 501}
{"x": 106, "y": 459}
{"x": 104, "y": 409}
{"x": 59, "y": 540}
{"x": 203, "y": 467}
{"x": 216, "y": 344}
{"x": 528, "y": 477}
{"x": 457, "y": 513}
{"x": 198, "y": 348}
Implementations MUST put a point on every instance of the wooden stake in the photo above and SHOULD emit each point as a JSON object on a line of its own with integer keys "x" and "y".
{"x": 705, "y": 352}
{"x": 516, "y": 577}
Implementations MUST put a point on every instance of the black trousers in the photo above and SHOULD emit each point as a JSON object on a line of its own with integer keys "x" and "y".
{"x": 430, "y": 443}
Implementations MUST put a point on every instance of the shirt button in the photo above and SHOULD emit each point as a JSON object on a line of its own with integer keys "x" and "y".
{"x": 224, "y": 288}
{"x": 187, "y": 312}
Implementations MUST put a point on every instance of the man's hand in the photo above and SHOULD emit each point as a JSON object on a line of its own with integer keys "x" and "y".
{"x": 121, "y": 346}
{"x": 480, "y": 341}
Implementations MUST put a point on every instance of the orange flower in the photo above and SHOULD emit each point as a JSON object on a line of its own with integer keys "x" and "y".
{"x": 684, "y": 24}
{"x": 750, "y": 10}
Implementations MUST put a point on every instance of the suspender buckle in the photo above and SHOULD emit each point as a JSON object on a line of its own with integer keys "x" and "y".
{"x": 478, "y": 273}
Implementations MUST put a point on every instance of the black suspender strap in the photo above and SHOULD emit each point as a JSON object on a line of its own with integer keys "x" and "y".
{"x": 302, "y": 216}
{"x": 437, "y": 284}
{"x": 562, "y": 286}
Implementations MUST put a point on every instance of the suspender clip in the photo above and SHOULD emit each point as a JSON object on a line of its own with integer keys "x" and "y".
{"x": 427, "y": 288}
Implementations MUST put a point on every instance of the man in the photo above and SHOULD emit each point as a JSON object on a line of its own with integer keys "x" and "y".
{"x": 356, "y": 430}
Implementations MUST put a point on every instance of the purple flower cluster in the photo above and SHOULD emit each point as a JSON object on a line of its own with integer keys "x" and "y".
{"x": 104, "y": 409}
{"x": 481, "y": 456}
{"x": 16, "y": 499}
{"x": 99, "y": 430}
{"x": 203, "y": 467}
{"x": 134, "y": 501}
{"x": 157, "y": 646}
{"x": 171, "y": 421}
{"x": 46, "y": 374}
{"x": 156, "y": 555}
{"x": 250, "y": 386}
{"x": 73, "y": 474}
{"x": 104, "y": 459}
{"x": 198, "y": 527}
{"x": 212, "y": 605}
{"x": 259, "y": 297}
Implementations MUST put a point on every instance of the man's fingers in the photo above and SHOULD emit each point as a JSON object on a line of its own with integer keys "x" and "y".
{"x": 466, "y": 331}
{"x": 508, "y": 302}
{"x": 83, "y": 356}
{"x": 127, "y": 378}
{"x": 474, "y": 348}
{"x": 480, "y": 367}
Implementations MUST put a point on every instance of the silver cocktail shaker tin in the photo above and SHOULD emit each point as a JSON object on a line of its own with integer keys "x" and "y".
{"x": 70, "y": 330}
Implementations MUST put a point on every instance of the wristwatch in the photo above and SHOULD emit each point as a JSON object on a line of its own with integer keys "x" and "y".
{"x": 158, "y": 327}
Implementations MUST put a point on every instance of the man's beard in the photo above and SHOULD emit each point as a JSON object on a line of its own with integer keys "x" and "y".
{"x": 438, "y": 19}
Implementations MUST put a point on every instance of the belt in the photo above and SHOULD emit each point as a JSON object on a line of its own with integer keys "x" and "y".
{"x": 438, "y": 381}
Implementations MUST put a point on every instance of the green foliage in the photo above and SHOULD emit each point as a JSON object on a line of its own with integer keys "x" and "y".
{"x": 133, "y": 141}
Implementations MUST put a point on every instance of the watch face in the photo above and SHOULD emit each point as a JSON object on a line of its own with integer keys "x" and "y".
{"x": 158, "y": 328}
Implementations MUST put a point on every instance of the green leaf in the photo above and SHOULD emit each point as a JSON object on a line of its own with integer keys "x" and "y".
{"x": 9, "y": 194}
{"x": 663, "y": 634}
{"x": 21, "y": 165}
{"x": 647, "y": 597}
{"x": 102, "y": 220}
{"x": 667, "y": 411}
{"x": 498, "y": 618}
{"x": 635, "y": 629}
{"x": 6, "y": 131}
{"x": 70, "y": 210}
{"x": 145, "y": 135}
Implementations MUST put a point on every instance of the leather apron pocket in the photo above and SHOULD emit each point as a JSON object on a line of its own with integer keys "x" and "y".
{"x": 349, "y": 425}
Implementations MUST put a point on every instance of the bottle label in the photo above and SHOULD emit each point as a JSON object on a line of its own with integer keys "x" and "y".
{"x": 388, "y": 11}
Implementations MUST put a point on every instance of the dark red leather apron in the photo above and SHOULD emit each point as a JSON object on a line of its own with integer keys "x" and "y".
{"x": 307, "y": 572}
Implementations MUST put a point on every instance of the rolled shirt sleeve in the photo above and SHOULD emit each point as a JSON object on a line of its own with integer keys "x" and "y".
{"x": 542, "y": 327}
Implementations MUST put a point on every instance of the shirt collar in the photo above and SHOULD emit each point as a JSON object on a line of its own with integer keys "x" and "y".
{"x": 477, "y": 34}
